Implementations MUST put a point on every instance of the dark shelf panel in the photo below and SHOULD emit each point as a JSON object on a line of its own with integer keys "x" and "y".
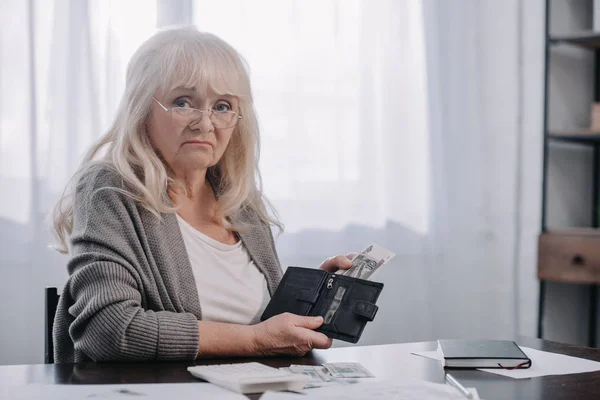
{"x": 576, "y": 136}
{"x": 590, "y": 39}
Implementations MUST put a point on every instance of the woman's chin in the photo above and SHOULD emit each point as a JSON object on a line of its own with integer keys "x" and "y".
{"x": 199, "y": 162}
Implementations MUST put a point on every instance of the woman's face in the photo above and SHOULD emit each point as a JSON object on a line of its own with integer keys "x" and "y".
{"x": 195, "y": 147}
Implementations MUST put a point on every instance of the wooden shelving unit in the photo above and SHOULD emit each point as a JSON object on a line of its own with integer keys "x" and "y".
{"x": 589, "y": 40}
{"x": 571, "y": 255}
{"x": 575, "y": 136}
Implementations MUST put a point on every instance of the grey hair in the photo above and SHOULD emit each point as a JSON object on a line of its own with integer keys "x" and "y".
{"x": 177, "y": 57}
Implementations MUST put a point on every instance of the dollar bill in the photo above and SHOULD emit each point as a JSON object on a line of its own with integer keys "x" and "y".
{"x": 368, "y": 261}
{"x": 347, "y": 370}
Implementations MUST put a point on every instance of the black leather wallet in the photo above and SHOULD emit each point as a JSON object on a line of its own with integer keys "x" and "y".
{"x": 346, "y": 304}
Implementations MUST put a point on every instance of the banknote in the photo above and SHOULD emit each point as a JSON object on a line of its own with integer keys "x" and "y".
{"x": 347, "y": 370}
{"x": 314, "y": 371}
{"x": 368, "y": 261}
{"x": 320, "y": 376}
{"x": 335, "y": 304}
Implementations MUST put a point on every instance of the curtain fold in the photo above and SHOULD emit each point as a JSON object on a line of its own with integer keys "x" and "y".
{"x": 63, "y": 64}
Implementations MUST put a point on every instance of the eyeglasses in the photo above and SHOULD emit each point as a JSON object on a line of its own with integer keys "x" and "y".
{"x": 186, "y": 116}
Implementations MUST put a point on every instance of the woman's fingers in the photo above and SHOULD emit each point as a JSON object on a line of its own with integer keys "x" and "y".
{"x": 319, "y": 340}
{"x": 289, "y": 334}
{"x": 307, "y": 322}
{"x": 332, "y": 264}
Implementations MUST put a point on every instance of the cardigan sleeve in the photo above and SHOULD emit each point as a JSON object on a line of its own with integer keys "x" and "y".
{"x": 109, "y": 322}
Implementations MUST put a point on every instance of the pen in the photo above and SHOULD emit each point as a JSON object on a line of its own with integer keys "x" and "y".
{"x": 453, "y": 382}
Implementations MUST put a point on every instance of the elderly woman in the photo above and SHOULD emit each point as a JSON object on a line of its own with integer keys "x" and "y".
{"x": 169, "y": 234}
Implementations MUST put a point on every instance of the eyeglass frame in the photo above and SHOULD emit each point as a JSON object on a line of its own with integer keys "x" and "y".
{"x": 202, "y": 111}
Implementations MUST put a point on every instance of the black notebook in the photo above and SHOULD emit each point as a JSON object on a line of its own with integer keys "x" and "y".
{"x": 457, "y": 353}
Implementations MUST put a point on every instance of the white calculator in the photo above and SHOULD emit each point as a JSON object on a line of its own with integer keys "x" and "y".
{"x": 249, "y": 377}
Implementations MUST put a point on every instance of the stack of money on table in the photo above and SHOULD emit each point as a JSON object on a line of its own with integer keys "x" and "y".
{"x": 331, "y": 373}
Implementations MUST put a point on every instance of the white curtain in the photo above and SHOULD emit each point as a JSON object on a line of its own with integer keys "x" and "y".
{"x": 382, "y": 121}
{"x": 63, "y": 71}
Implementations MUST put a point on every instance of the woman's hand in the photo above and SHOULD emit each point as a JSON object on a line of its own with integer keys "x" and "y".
{"x": 289, "y": 334}
{"x": 335, "y": 263}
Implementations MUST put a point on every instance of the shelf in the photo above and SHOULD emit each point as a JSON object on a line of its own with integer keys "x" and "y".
{"x": 589, "y": 39}
{"x": 576, "y": 136}
{"x": 594, "y": 232}
{"x": 570, "y": 255}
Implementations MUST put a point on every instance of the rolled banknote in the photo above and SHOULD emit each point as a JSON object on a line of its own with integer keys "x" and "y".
{"x": 335, "y": 304}
{"x": 367, "y": 262}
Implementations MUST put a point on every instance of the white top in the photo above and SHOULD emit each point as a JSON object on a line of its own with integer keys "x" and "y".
{"x": 230, "y": 286}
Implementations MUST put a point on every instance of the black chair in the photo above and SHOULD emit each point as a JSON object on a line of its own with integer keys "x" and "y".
{"x": 51, "y": 301}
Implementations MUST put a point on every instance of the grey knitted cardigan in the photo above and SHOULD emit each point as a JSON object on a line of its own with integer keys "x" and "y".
{"x": 131, "y": 293}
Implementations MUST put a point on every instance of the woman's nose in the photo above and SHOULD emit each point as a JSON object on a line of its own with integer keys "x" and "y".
{"x": 204, "y": 124}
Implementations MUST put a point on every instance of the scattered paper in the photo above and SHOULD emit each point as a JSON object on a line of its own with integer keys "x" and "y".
{"x": 543, "y": 363}
{"x": 158, "y": 391}
{"x": 405, "y": 390}
{"x": 432, "y": 355}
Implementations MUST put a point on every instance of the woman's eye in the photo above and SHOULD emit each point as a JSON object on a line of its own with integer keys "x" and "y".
{"x": 222, "y": 107}
{"x": 182, "y": 103}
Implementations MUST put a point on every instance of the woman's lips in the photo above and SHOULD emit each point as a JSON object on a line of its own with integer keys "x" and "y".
{"x": 198, "y": 143}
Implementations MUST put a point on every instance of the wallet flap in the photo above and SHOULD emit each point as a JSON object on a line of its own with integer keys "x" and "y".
{"x": 308, "y": 296}
{"x": 297, "y": 292}
{"x": 347, "y": 307}
{"x": 365, "y": 309}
